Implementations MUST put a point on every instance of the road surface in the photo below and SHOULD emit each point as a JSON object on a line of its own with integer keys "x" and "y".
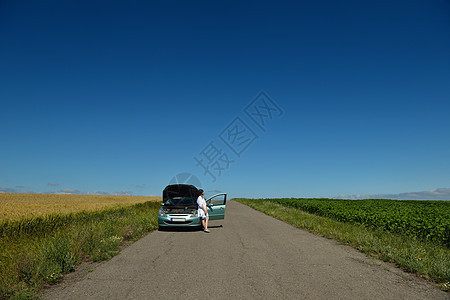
{"x": 251, "y": 256}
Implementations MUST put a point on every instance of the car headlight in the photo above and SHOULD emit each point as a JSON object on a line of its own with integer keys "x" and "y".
{"x": 195, "y": 213}
{"x": 162, "y": 213}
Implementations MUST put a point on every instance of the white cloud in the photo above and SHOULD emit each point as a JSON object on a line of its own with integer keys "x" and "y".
{"x": 7, "y": 190}
{"x": 120, "y": 193}
{"x": 11, "y": 190}
{"x": 123, "y": 193}
{"x": 52, "y": 184}
{"x": 435, "y": 194}
{"x": 67, "y": 191}
{"x": 97, "y": 193}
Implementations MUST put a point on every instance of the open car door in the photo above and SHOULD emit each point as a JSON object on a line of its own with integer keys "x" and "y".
{"x": 216, "y": 206}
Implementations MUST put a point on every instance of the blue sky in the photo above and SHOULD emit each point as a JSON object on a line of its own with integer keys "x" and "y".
{"x": 118, "y": 97}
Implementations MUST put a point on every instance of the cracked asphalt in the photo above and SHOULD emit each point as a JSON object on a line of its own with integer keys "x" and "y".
{"x": 247, "y": 255}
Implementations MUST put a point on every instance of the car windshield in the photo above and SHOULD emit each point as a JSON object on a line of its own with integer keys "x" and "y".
{"x": 180, "y": 201}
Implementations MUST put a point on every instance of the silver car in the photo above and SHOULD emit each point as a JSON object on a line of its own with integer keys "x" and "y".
{"x": 179, "y": 207}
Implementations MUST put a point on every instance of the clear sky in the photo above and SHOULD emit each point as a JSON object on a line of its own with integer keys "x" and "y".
{"x": 121, "y": 96}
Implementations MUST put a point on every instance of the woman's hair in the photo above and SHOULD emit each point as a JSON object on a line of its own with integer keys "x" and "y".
{"x": 200, "y": 192}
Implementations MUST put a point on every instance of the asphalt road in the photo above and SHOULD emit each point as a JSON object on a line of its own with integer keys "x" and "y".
{"x": 250, "y": 256}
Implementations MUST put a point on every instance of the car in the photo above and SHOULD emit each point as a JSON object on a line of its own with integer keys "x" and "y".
{"x": 179, "y": 207}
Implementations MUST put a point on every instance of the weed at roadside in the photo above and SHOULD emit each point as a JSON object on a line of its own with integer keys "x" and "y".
{"x": 425, "y": 258}
{"x": 28, "y": 261}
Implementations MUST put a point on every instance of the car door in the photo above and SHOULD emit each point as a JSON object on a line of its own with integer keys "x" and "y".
{"x": 216, "y": 206}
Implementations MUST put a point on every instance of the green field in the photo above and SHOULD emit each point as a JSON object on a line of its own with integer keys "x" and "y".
{"x": 412, "y": 234}
{"x": 429, "y": 220}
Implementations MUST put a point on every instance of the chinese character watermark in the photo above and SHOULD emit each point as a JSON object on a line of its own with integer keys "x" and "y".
{"x": 186, "y": 178}
{"x": 213, "y": 161}
{"x": 263, "y": 109}
{"x": 191, "y": 179}
{"x": 237, "y": 136}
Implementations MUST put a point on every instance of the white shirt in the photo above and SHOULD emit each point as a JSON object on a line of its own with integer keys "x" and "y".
{"x": 201, "y": 203}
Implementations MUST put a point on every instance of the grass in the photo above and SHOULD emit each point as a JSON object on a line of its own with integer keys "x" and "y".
{"x": 37, "y": 251}
{"x": 425, "y": 258}
{"x": 429, "y": 220}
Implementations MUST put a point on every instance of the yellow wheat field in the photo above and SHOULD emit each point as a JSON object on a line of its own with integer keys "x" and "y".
{"x": 18, "y": 206}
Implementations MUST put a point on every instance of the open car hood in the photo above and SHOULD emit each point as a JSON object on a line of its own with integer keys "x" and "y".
{"x": 180, "y": 195}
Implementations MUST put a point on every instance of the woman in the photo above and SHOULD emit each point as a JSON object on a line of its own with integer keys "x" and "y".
{"x": 203, "y": 211}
